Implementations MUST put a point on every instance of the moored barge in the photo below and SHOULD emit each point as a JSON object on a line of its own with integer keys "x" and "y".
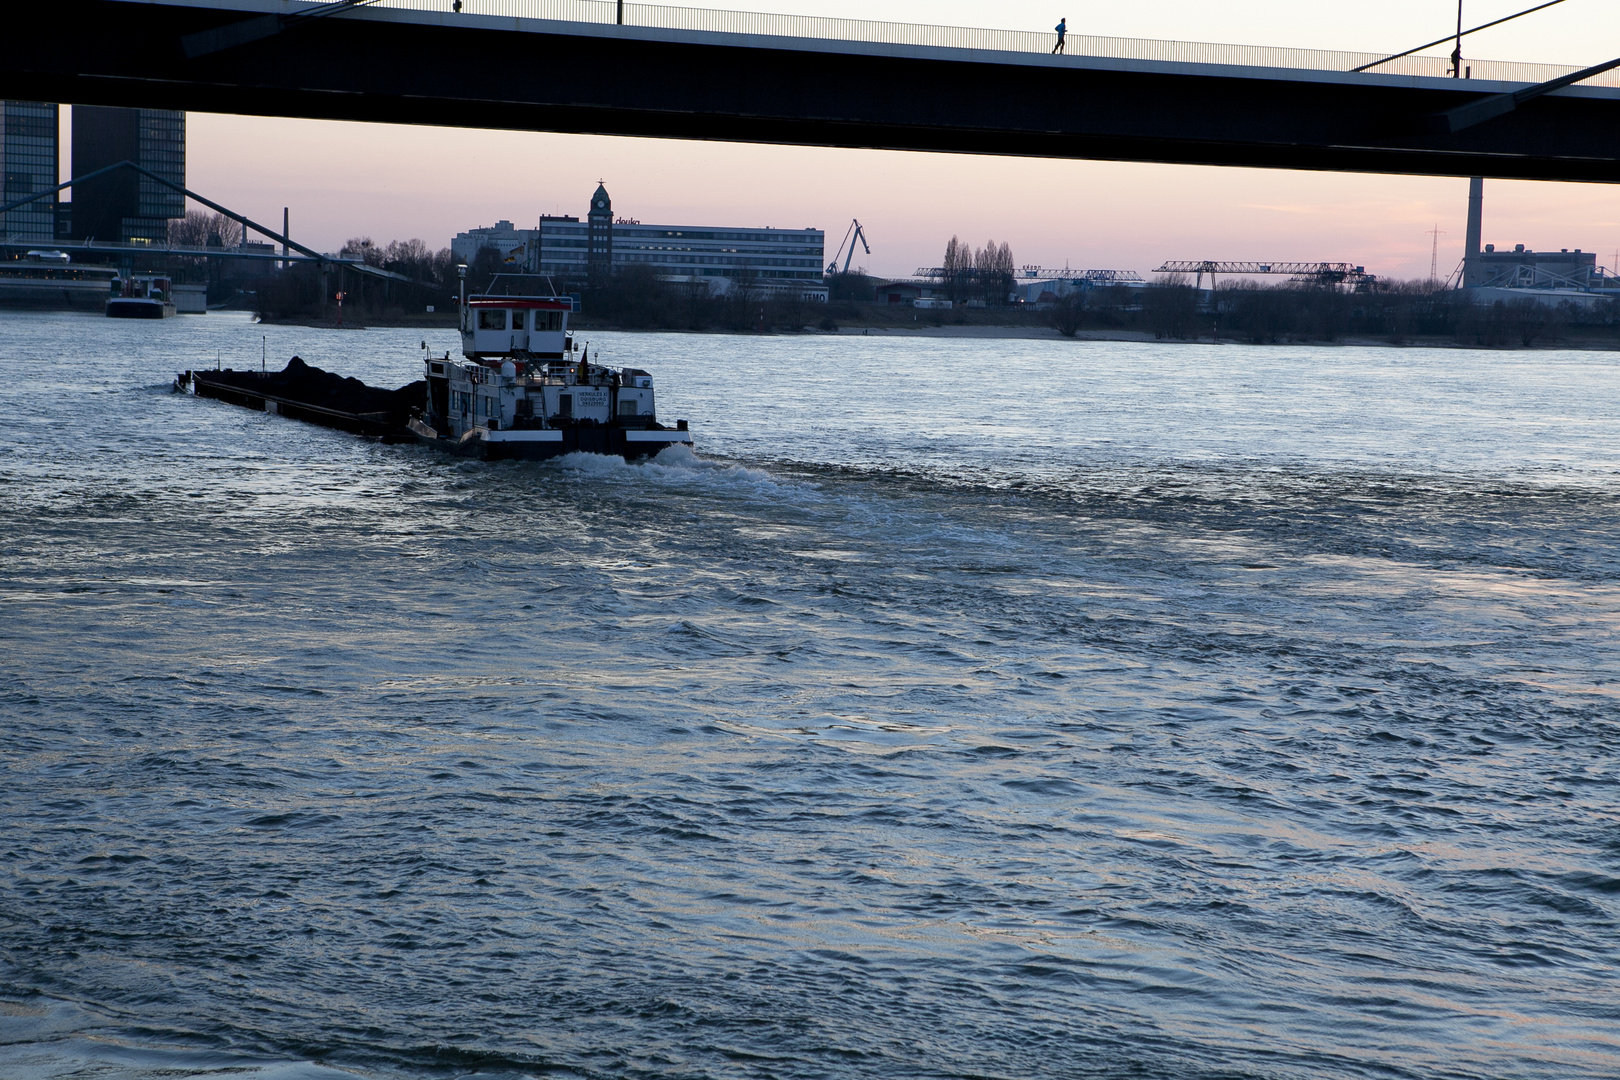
{"x": 142, "y": 297}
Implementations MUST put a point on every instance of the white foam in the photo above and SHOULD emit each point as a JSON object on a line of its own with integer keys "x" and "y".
{"x": 679, "y": 464}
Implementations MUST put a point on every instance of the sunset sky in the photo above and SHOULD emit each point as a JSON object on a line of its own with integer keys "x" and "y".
{"x": 387, "y": 182}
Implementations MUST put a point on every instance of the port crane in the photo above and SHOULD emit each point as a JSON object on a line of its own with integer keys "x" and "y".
{"x": 851, "y": 234}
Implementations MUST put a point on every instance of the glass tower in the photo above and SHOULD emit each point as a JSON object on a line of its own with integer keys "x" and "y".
{"x": 28, "y": 164}
{"x": 126, "y": 206}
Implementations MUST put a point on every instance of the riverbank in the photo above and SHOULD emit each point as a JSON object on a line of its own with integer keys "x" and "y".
{"x": 1599, "y": 338}
{"x": 1399, "y": 315}
{"x": 1596, "y": 338}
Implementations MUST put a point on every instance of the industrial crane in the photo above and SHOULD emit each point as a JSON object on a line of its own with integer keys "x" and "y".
{"x": 1320, "y": 273}
{"x": 851, "y": 234}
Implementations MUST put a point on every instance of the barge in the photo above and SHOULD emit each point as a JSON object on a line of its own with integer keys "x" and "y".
{"x": 319, "y": 397}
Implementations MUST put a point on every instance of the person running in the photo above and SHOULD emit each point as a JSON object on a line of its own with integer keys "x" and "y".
{"x": 1062, "y": 28}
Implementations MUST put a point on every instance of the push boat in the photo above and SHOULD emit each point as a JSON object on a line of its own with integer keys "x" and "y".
{"x": 524, "y": 390}
{"x": 142, "y": 297}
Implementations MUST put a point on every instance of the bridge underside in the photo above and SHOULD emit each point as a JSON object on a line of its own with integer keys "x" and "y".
{"x": 484, "y": 73}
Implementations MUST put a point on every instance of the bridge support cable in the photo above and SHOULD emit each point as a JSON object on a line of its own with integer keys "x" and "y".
{"x": 242, "y": 219}
{"x": 36, "y": 196}
{"x": 1488, "y": 108}
{"x": 1460, "y": 34}
{"x": 229, "y": 36}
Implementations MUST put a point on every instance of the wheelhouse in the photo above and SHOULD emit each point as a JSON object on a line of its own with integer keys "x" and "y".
{"x": 536, "y": 327}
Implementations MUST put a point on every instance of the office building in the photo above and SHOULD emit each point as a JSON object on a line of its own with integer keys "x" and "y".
{"x": 28, "y": 164}
{"x": 574, "y": 252}
{"x": 125, "y": 206}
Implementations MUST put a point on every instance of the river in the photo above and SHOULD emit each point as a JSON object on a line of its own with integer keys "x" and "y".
{"x": 959, "y": 708}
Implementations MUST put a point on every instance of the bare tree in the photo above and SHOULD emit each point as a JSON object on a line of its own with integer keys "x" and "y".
{"x": 1069, "y": 313}
{"x": 201, "y": 229}
{"x": 993, "y": 272}
{"x": 1170, "y": 307}
{"x": 362, "y": 248}
{"x": 957, "y": 268}
{"x": 415, "y": 260}
{"x": 1004, "y": 271}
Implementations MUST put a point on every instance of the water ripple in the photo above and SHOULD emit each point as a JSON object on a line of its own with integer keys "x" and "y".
{"x": 1211, "y": 713}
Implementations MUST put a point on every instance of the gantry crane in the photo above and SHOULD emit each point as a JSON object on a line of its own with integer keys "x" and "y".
{"x": 1320, "y": 273}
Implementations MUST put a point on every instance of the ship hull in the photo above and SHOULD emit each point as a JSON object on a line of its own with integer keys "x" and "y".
{"x": 48, "y": 295}
{"x": 541, "y": 445}
{"x": 361, "y": 411}
{"x": 133, "y": 308}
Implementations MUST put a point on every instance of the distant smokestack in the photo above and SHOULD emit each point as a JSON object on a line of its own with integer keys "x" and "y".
{"x": 1476, "y": 213}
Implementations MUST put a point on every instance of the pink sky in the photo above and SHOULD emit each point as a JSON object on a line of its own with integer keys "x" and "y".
{"x": 388, "y": 182}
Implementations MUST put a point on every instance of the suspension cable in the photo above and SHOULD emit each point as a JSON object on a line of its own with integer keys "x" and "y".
{"x": 1453, "y": 37}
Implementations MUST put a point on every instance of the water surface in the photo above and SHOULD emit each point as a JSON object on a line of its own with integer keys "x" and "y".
{"x": 959, "y": 709}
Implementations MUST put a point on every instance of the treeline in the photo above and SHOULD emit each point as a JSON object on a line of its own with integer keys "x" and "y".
{"x": 1393, "y": 311}
{"x": 409, "y": 258}
{"x": 636, "y": 298}
{"x": 200, "y": 229}
{"x": 306, "y": 291}
{"x": 985, "y": 275}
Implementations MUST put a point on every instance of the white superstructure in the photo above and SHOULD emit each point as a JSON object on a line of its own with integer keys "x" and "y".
{"x": 523, "y": 390}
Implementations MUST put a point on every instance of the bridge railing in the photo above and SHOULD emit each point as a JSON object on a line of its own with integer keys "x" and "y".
{"x": 1079, "y": 47}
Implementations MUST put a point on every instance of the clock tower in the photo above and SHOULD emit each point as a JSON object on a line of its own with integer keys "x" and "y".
{"x": 599, "y": 261}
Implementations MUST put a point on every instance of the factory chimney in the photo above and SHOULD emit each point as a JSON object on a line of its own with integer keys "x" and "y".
{"x": 1476, "y": 211}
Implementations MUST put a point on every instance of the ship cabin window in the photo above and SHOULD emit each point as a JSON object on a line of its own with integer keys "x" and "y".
{"x": 517, "y": 319}
{"x": 565, "y": 405}
{"x": 491, "y": 319}
{"x": 548, "y": 321}
{"x": 627, "y": 407}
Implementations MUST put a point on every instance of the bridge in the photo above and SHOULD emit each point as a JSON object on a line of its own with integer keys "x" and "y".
{"x": 613, "y": 68}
